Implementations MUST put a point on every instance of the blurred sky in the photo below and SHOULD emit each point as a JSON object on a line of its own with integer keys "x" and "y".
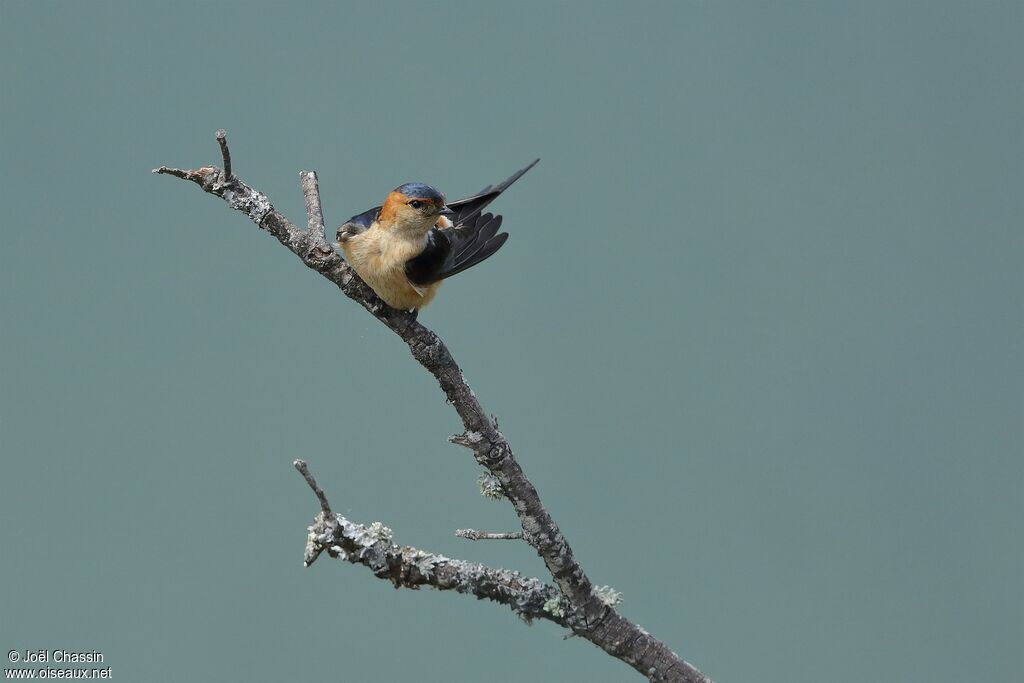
{"x": 756, "y": 336}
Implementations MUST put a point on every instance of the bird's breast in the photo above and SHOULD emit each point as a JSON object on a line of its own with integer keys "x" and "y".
{"x": 379, "y": 256}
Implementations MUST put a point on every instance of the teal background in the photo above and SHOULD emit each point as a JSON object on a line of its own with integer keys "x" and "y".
{"x": 756, "y": 336}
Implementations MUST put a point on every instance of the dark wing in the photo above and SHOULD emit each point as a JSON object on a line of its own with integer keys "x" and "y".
{"x": 358, "y": 224}
{"x": 454, "y": 250}
{"x": 470, "y": 207}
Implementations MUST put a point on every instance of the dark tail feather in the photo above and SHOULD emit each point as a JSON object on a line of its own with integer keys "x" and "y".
{"x": 470, "y": 207}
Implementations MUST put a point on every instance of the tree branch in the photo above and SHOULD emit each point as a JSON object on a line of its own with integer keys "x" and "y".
{"x": 225, "y": 155}
{"x": 303, "y": 469}
{"x": 408, "y": 567}
{"x": 315, "y": 214}
{"x": 474, "y": 535}
{"x": 584, "y": 611}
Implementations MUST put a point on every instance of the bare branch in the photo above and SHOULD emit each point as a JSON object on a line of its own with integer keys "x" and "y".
{"x": 314, "y": 213}
{"x": 177, "y": 173}
{"x": 585, "y": 612}
{"x": 474, "y": 535}
{"x": 300, "y": 465}
{"x": 225, "y": 155}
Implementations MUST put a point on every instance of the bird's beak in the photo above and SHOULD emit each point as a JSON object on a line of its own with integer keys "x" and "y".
{"x": 446, "y": 212}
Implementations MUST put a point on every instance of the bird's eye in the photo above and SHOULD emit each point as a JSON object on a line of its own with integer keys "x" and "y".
{"x": 415, "y": 203}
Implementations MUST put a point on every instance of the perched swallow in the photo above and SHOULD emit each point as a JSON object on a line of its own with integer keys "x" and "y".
{"x": 405, "y": 248}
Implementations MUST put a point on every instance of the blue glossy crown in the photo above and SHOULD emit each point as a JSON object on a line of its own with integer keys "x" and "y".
{"x": 420, "y": 191}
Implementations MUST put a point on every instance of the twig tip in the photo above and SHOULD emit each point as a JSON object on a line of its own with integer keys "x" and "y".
{"x": 300, "y": 465}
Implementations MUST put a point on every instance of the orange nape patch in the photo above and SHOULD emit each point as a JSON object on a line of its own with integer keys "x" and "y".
{"x": 389, "y": 212}
{"x": 443, "y": 222}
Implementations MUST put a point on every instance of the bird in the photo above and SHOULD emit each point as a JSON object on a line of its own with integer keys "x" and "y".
{"x": 404, "y": 248}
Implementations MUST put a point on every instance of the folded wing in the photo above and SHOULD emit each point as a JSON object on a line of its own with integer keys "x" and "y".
{"x": 358, "y": 224}
{"x": 453, "y": 250}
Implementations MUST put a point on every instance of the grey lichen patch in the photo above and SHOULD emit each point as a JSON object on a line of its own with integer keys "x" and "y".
{"x": 365, "y": 537}
{"x": 554, "y": 606}
{"x": 318, "y": 537}
{"x": 608, "y": 595}
{"x": 349, "y": 541}
{"x": 468, "y": 439}
{"x": 313, "y": 547}
{"x": 423, "y": 561}
{"x": 490, "y": 487}
{"x": 375, "y": 533}
{"x": 252, "y": 203}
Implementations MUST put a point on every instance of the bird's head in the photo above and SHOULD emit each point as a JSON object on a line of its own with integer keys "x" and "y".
{"x": 413, "y": 207}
